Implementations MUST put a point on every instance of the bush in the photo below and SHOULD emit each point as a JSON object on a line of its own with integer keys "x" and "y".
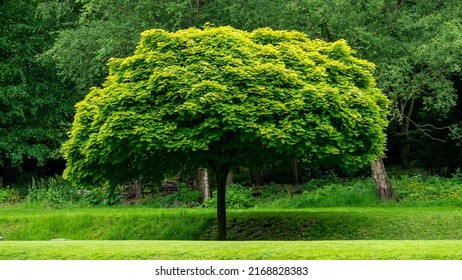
{"x": 53, "y": 191}
{"x": 328, "y": 193}
{"x": 428, "y": 190}
{"x": 186, "y": 197}
{"x": 237, "y": 196}
{"x": 353, "y": 193}
{"x": 9, "y": 196}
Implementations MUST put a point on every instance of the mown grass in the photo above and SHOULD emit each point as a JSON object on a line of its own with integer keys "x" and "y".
{"x": 233, "y": 250}
{"x": 143, "y": 223}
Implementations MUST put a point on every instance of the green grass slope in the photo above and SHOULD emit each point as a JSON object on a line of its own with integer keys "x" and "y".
{"x": 142, "y": 223}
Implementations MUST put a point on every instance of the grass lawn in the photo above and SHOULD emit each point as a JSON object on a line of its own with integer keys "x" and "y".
{"x": 232, "y": 250}
{"x": 142, "y": 233}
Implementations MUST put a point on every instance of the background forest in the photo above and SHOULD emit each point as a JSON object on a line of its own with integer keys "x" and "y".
{"x": 53, "y": 52}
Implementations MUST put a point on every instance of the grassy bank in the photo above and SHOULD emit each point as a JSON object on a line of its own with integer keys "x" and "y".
{"x": 143, "y": 223}
{"x": 233, "y": 250}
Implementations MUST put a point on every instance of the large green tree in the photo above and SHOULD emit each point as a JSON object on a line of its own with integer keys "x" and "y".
{"x": 415, "y": 45}
{"x": 223, "y": 97}
{"x": 36, "y": 108}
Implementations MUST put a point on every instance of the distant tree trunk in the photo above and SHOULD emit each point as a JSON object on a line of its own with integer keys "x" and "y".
{"x": 221, "y": 172}
{"x": 405, "y": 145}
{"x": 383, "y": 184}
{"x": 256, "y": 177}
{"x": 295, "y": 171}
{"x": 1, "y": 176}
{"x": 41, "y": 171}
{"x": 405, "y": 150}
{"x": 202, "y": 183}
{"x": 230, "y": 178}
{"x": 134, "y": 189}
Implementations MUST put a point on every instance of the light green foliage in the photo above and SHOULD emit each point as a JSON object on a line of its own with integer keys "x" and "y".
{"x": 228, "y": 96}
{"x": 428, "y": 191}
{"x": 9, "y": 196}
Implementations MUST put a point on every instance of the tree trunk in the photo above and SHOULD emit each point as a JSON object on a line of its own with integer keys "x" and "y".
{"x": 41, "y": 171}
{"x": 256, "y": 177}
{"x": 221, "y": 173}
{"x": 134, "y": 189}
{"x": 295, "y": 170}
{"x": 405, "y": 151}
{"x": 405, "y": 144}
{"x": 1, "y": 176}
{"x": 202, "y": 183}
{"x": 383, "y": 184}
{"x": 230, "y": 178}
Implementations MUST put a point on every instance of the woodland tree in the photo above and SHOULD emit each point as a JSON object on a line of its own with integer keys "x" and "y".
{"x": 36, "y": 108}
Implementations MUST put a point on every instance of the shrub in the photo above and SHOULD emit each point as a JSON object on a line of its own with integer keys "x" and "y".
{"x": 237, "y": 196}
{"x": 186, "y": 197}
{"x": 9, "y": 196}
{"x": 428, "y": 190}
{"x": 53, "y": 191}
{"x": 328, "y": 193}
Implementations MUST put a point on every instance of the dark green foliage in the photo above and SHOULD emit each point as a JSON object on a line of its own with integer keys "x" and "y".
{"x": 52, "y": 192}
{"x": 35, "y": 107}
{"x": 56, "y": 192}
{"x": 415, "y": 45}
{"x": 237, "y": 196}
{"x": 185, "y": 197}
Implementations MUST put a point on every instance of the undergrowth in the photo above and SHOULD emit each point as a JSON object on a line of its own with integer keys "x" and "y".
{"x": 410, "y": 190}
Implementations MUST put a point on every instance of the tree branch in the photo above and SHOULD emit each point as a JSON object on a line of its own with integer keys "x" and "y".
{"x": 428, "y": 128}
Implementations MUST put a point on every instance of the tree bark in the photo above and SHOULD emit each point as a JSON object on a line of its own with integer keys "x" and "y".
{"x": 1, "y": 176}
{"x": 41, "y": 171}
{"x": 230, "y": 178}
{"x": 202, "y": 183}
{"x": 383, "y": 184}
{"x": 256, "y": 177}
{"x": 134, "y": 189}
{"x": 221, "y": 172}
{"x": 295, "y": 171}
{"x": 405, "y": 144}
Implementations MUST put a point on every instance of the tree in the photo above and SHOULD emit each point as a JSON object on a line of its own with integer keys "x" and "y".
{"x": 222, "y": 97}
{"x": 36, "y": 109}
{"x": 416, "y": 47}
{"x": 108, "y": 29}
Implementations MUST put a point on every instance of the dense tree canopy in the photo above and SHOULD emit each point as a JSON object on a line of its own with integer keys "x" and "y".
{"x": 35, "y": 106}
{"x": 415, "y": 45}
{"x": 54, "y": 51}
{"x": 225, "y": 97}
{"x": 229, "y": 96}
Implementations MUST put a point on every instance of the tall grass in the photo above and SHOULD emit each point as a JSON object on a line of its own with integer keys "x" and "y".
{"x": 143, "y": 223}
